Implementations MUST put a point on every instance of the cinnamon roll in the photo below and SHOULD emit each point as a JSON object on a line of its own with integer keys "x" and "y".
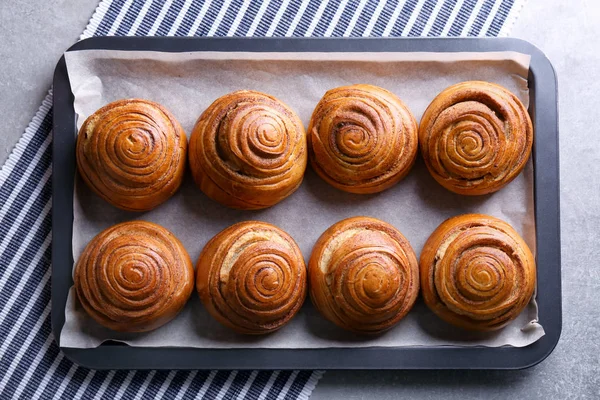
{"x": 134, "y": 277}
{"x": 476, "y": 272}
{"x": 475, "y": 137}
{"x": 132, "y": 153}
{"x": 251, "y": 277}
{"x": 362, "y": 139}
{"x": 363, "y": 275}
{"x": 248, "y": 150}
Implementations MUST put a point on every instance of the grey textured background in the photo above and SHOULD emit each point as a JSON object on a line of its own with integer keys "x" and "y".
{"x": 34, "y": 36}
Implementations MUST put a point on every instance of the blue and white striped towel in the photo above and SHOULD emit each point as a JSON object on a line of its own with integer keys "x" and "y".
{"x": 31, "y": 364}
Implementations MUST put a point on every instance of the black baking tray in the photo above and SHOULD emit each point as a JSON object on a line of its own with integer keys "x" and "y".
{"x": 543, "y": 109}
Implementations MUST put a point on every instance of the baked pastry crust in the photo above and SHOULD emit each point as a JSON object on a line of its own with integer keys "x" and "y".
{"x": 251, "y": 277}
{"x": 475, "y": 137}
{"x": 364, "y": 275}
{"x": 134, "y": 277}
{"x": 362, "y": 139}
{"x": 132, "y": 153}
{"x": 248, "y": 150}
{"x": 477, "y": 272}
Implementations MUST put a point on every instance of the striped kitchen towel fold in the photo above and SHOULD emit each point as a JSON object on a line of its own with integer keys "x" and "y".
{"x": 31, "y": 364}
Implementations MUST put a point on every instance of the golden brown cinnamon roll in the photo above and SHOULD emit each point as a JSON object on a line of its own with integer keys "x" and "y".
{"x": 475, "y": 137}
{"x": 476, "y": 272}
{"x": 134, "y": 277}
{"x": 248, "y": 150}
{"x": 132, "y": 154}
{"x": 362, "y": 139}
{"x": 363, "y": 275}
{"x": 251, "y": 277}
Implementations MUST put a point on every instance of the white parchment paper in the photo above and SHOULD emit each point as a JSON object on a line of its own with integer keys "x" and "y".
{"x": 187, "y": 83}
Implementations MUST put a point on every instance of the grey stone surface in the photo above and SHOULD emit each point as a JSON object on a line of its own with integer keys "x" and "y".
{"x": 33, "y": 38}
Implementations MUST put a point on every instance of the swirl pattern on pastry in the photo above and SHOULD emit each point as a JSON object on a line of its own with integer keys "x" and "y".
{"x": 362, "y": 139}
{"x": 475, "y": 137}
{"x": 363, "y": 275}
{"x": 132, "y": 153}
{"x": 477, "y": 272}
{"x": 248, "y": 150}
{"x": 251, "y": 277}
{"x": 134, "y": 277}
